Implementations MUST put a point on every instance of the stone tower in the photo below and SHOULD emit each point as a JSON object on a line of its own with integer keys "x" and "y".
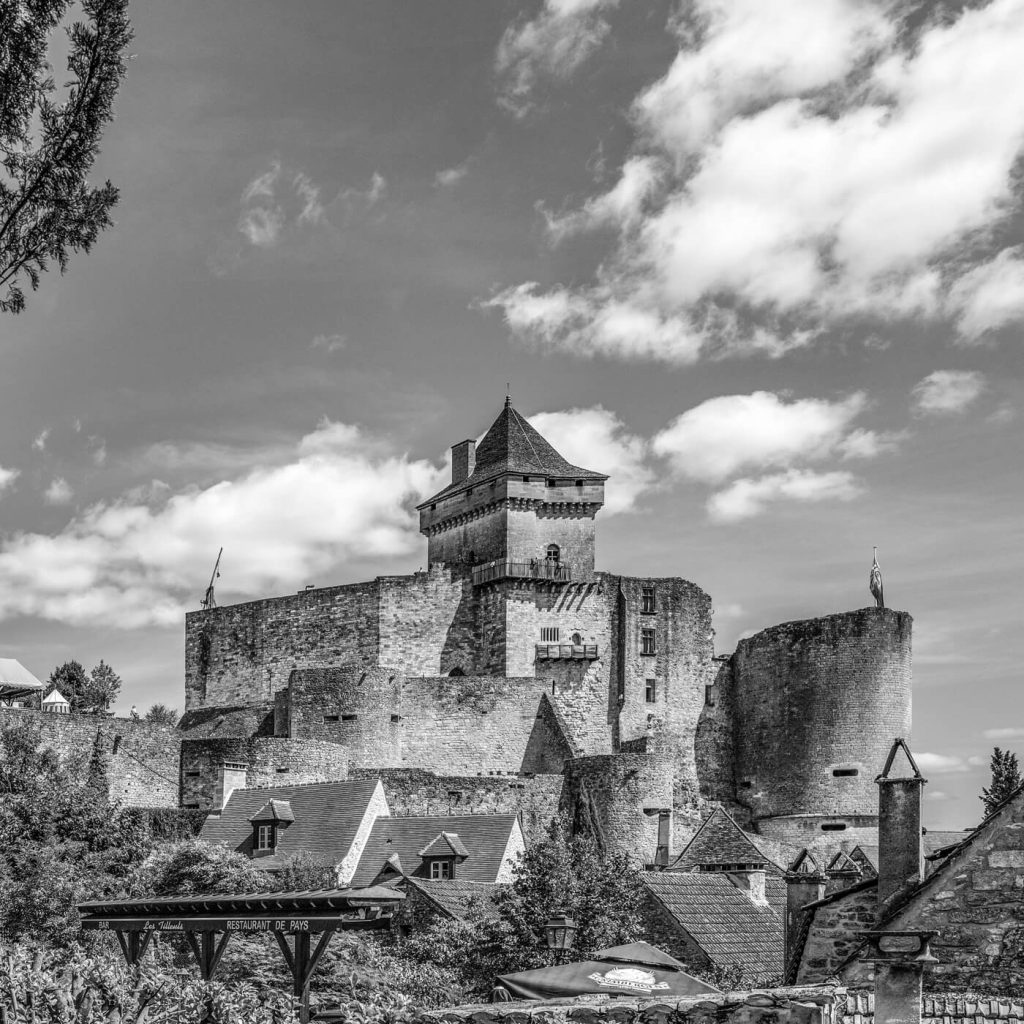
{"x": 515, "y": 509}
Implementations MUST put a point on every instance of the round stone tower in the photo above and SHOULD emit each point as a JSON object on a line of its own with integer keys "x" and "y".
{"x": 623, "y": 799}
{"x": 818, "y": 704}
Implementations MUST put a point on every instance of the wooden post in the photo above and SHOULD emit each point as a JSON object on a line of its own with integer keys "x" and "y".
{"x": 302, "y": 963}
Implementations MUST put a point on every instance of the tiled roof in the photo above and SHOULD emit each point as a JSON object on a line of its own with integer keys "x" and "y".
{"x": 935, "y": 841}
{"x": 445, "y": 844}
{"x": 723, "y": 921}
{"x": 484, "y": 836}
{"x": 457, "y": 898}
{"x": 513, "y": 446}
{"x": 274, "y": 810}
{"x": 720, "y": 840}
{"x": 327, "y": 815}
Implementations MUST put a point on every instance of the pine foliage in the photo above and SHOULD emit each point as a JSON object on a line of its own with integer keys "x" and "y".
{"x": 49, "y": 140}
{"x": 1006, "y": 779}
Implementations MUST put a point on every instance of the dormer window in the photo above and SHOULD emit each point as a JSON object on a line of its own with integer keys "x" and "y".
{"x": 267, "y": 824}
{"x": 441, "y": 855}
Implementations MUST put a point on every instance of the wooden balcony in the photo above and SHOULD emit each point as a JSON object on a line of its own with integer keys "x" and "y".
{"x": 552, "y": 572}
{"x": 576, "y": 652}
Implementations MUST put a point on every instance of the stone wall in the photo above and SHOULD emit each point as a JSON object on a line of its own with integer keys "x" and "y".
{"x": 817, "y": 701}
{"x": 272, "y": 761}
{"x": 834, "y": 936}
{"x": 244, "y": 653}
{"x": 976, "y": 903}
{"x": 469, "y": 724}
{"x": 142, "y": 757}
{"x": 608, "y": 794}
{"x": 818, "y": 1005}
{"x": 413, "y": 791}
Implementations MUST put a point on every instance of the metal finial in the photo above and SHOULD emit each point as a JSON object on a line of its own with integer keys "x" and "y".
{"x": 508, "y": 394}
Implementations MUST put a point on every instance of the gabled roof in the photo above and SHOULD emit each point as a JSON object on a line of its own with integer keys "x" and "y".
{"x": 445, "y": 844}
{"x": 843, "y": 864}
{"x": 484, "y": 837}
{"x": 724, "y": 922}
{"x": 457, "y": 898}
{"x": 274, "y": 810}
{"x": 326, "y": 818}
{"x": 513, "y": 446}
{"x": 805, "y": 863}
{"x": 720, "y": 840}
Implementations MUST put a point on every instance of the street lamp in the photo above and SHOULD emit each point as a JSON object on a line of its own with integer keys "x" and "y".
{"x": 559, "y": 933}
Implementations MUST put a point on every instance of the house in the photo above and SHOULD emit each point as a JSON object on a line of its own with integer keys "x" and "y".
{"x": 428, "y": 901}
{"x": 709, "y": 921}
{"x": 972, "y": 896}
{"x": 348, "y": 825}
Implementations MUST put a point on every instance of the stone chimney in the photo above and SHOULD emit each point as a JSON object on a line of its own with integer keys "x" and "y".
{"x": 751, "y": 881}
{"x": 463, "y": 460}
{"x": 805, "y": 883}
{"x": 900, "y": 854}
{"x": 230, "y": 776}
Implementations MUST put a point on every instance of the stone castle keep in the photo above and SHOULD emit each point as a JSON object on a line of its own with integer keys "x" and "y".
{"x": 514, "y": 675}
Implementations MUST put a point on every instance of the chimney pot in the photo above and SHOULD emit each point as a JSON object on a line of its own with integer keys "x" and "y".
{"x": 230, "y": 776}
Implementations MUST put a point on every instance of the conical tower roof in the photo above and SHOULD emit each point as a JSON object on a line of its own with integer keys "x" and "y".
{"x": 512, "y": 445}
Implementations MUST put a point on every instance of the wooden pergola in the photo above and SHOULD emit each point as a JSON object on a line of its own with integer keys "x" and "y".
{"x": 208, "y": 922}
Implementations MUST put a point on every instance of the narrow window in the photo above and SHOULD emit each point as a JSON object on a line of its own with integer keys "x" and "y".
{"x": 709, "y": 696}
{"x": 526, "y": 479}
{"x": 648, "y": 603}
{"x": 553, "y": 553}
{"x": 117, "y": 745}
{"x": 650, "y": 690}
{"x": 349, "y": 718}
{"x": 648, "y": 644}
{"x": 551, "y": 483}
{"x": 577, "y": 640}
{"x": 396, "y": 718}
{"x": 845, "y": 773}
{"x": 281, "y": 771}
{"x": 330, "y": 718}
{"x": 433, "y": 508}
{"x": 549, "y": 634}
{"x": 579, "y": 483}
{"x": 191, "y": 775}
{"x": 264, "y": 837}
{"x": 833, "y": 826}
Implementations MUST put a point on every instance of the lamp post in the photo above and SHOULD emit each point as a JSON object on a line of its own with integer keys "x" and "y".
{"x": 559, "y": 933}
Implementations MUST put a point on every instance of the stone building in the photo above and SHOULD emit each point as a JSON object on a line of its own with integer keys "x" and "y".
{"x": 969, "y": 892}
{"x": 514, "y": 675}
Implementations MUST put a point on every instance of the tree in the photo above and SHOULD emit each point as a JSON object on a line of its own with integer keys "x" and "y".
{"x": 49, "y": 142}
{"x": 192, "y": 866}
{"x": 71, "y": 680}
{"x": 1006, "y": 779}
{"x": 161, "y": 714}
{"x": 101, "y": 689}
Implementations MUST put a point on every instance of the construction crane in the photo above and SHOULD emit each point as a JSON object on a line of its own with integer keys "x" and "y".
{"x": 209, "y": 601}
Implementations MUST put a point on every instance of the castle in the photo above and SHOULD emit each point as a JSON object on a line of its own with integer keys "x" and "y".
{"x": 512, "y": 675}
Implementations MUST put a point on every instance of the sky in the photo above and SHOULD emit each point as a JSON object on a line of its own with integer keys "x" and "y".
{"x": 761, "y": 263}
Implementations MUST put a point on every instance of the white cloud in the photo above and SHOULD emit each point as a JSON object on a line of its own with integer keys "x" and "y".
{"x": 7, "y": 477}
{"x": 39, "y": 442}
{"x": 282, "y": 204}
{"x": 937, "y": 795}
{"x": 947, "y": 391}
{"x": 940, "y": 764}
{"x": 723, "y": 436}
{"x": 990, "y": 296}
{"x": 142, "y": 559}
{"x": 748, "y": 497}
{"x": 451, "y": 176}
{"x": 59, "y": 492}
{"x": 1007, "y": 733}
{"x": 329, "y": 342}
{"x": 597, "y": 439}
{"x": 550, "y": 46}
{"x": 99, "y": 450}
{"x": 865, "y": 180}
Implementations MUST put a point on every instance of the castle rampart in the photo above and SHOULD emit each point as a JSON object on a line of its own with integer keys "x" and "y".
{"x": 817, "y": 704}
{"x": 142, "y": 758}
